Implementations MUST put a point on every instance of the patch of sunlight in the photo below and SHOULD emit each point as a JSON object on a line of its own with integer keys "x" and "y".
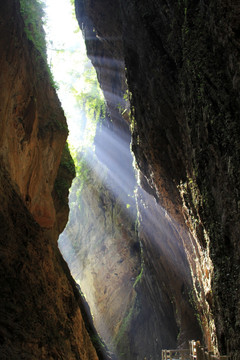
{"x": 68, "y": 62}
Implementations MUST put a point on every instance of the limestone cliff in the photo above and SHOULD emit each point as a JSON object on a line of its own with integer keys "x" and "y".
{"x": 40, "y": 316}
{"x": 182, "y": 63}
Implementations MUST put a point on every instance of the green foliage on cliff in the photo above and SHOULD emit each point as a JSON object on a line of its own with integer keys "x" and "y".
{"x": 67, "y": 161}
{"x": 89, "y": 97}
{"x": 139, "y": 277}
{"x": 82, "y": 167}
{"x": 32, "y": 13}
{"x": 61, "y": 187}
{"x": 122, "y": 341}
{"x": 82, "y": 172}
{"x": 91, "y": 101}
{"x": 66, "y": 173}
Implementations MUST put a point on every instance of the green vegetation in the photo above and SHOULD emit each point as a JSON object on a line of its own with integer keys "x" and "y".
{"x": 129, "y": 322}
{"x": 139, "y": 277}
{"x": 61, "y": 187}
{"x": 67, "y": 161}
{"x": 123, "y": 106}
{"x": 54, "y": 122}
{"x": 196, "y": 307}
{"x": 82, "y": 170}
{"x": 125, "y": 324}
{"x": 85, "y": 176}
{"x": 33, "y": 14}
{"x": 90, "y": 97}
{"x": 66, "y": 173}
{"x": 90, "y": 100}
{"x": 98, "y": 343}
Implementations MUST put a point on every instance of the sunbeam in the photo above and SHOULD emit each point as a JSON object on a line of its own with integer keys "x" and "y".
{"x": 113, "y": 223}
{"x": 68, "y": 64}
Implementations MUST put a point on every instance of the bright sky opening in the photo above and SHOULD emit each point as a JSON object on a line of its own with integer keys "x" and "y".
{"x": 67, "y": 58}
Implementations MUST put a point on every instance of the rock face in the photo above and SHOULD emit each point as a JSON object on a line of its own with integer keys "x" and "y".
{"x": 133, "y": 272}
{"x": 101, "y": 246}
{"x": 39, "y": 305}
{"x": 192, "y": 91}
{"x": 182, "y": 63}
{"x": 32, "y": 115}
{"x": 166, "y": 285}
{"x": 158, "y": 313}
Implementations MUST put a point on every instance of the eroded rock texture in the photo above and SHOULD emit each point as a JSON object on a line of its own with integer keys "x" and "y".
{"x": 40, "y": 316}
{"x": 182, "y": 61}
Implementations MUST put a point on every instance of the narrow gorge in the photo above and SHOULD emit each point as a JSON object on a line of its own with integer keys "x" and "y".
{"x": 149, "y": 254}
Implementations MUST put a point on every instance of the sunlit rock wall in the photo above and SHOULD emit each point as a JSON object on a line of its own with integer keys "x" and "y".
{"x": 33, "y": 127}
{"x": 182, "y": 61}
{"x": 101, "y": 247}
{"x": 39, "y": 304}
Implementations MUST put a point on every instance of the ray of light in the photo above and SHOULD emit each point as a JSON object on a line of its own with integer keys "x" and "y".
{"x": 66, "y": 48}
{"x": 67, "y": 57}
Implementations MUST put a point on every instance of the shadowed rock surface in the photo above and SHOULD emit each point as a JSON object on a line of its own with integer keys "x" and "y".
{"x": 40, "y": 307}
{"x": 182, "y": 65}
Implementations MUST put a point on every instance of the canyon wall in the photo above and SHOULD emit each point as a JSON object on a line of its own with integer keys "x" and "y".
{"x": 160, "y": 315}
{"x": 40, "y": 308}
{"x": 182, "y": 68}
{"x": 181, "y": 62}
{"x": 129, "y": 261}
{"x": 186, "y": 74}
